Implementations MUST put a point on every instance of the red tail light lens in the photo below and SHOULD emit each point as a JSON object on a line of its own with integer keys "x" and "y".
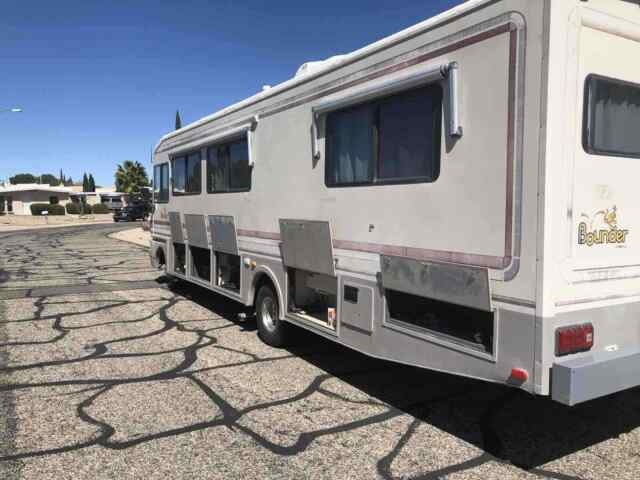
{"x": 574, "y": 339}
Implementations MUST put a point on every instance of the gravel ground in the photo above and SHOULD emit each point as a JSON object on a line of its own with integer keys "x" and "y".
{"x": 108, "y": 371}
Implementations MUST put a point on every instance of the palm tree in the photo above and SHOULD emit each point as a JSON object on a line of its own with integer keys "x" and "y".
{"x": 131, "y": 176}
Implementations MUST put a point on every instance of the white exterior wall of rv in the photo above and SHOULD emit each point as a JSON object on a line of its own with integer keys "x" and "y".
{"x": 463, "y": 215}
{"x": 578, "y": 283}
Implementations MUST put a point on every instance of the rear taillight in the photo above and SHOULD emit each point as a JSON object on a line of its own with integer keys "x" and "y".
{"x": 574, "y": 339}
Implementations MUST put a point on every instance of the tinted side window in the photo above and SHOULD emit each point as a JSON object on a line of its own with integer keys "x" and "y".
{"x": 179, "y": 175}
{"x": 187, "y": 172}
{"x": 351, "y": 146}
{"x": 228, "y": 167}
{"x": 160, "y": 183}
{"x": 157, "y": 178}
{"x": 164, "y": 183}
{"x": 194, "y": 172}
{"x": 409, "y": 137}
{"x": 239, "y": 170}
{"x": 217, "y": 178}
{"x": 391, "y": 140}
{"x": 612, "y": 116}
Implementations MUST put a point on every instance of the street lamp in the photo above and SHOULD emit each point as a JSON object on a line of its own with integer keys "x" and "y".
{"x": 11, "y": 110}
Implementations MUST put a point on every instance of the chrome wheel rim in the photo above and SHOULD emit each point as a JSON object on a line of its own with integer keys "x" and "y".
{"x": 269, "y": 313}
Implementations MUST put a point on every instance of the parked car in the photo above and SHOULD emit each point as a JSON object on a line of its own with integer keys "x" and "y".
{"x": 113, "y": 202}
{"x": 130, "y": 213}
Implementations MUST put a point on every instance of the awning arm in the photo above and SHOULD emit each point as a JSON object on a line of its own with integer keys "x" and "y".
{"x": 250, "y": 134}
{"x": 453, "y": 78}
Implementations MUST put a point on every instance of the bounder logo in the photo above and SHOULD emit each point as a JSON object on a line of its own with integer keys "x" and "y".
{"x": 607, "y": 231}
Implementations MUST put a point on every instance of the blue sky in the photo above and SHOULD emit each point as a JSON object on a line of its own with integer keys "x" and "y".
{"x": 100, "y": 81}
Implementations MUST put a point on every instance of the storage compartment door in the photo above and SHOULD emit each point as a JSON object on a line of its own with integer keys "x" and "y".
{"x": 196, "y": 231}
{"x": 223, "y": 234}
{"x": 306, "y": 245}
{"x": 463, "y": 285}
{"x": 176, "y": 227}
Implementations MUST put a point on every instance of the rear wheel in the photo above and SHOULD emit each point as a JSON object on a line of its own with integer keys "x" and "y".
{"x": 271, "y": 329}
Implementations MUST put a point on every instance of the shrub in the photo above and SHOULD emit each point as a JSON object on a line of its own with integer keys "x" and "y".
{"x": 38, "y": 208}
{"x": 78, "y": 208}
{"x": 73, "y": 208}
{"x": 56, "y": 209}
{"x": 100, "y": 208}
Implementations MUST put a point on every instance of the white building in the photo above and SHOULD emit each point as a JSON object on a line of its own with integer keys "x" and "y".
{"x": 19, "y": 198}
{"x": 107, "y": 196}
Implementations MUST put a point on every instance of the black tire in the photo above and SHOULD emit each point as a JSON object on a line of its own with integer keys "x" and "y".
{"x": 161, "y": 260}
{"x": 271, "y": 329}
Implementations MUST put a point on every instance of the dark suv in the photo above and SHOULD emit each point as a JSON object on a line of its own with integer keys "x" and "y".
{"x": 130, "y": 213}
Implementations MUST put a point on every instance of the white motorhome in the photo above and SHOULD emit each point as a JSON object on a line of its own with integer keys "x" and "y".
{"x": 460, "y": 196}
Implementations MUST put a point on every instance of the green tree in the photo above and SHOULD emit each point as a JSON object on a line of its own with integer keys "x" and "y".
{"x": 178, "y": 120}
{"x": 85, "y": 183}
{"x": 130, "y": 177}
{"x": 23, "y": 178}
{"x": 68, "y": 182}
{"x": 48, "y": 179}
{"x": 61, "y": 179}
{"x": 92, "y": 183}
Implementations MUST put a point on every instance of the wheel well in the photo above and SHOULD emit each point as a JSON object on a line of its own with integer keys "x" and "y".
{"x": 161, "y": 257}
{"x": 263, "y": 279}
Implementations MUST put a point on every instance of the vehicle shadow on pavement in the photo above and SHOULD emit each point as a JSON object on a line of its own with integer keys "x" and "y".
{"x": 507, "y": 425}
{"x": 510, "y": 425}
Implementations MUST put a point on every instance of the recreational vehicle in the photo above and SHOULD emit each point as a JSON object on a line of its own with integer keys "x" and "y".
{"x": 459, "y": 196}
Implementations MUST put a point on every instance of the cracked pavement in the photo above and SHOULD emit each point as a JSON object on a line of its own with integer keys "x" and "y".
{"x": 109, "y": 371}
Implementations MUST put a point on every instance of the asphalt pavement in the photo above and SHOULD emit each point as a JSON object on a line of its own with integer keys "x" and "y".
{"x": 109, "y": 370}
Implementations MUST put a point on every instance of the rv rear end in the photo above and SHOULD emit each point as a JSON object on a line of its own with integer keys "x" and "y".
{"x": 588, "y": 315}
